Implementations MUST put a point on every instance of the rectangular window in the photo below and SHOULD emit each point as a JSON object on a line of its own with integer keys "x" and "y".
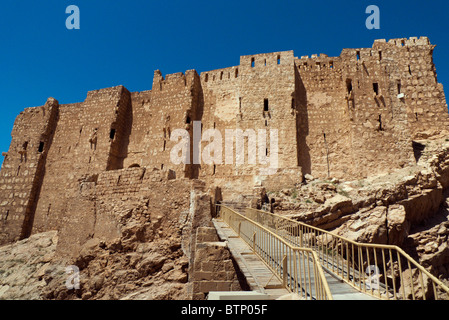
{"x": 358, "y": 55}
{"x": 349, "y": 85}
{"x": 253, "y": 63}
{"x": 399, "y": 87}
{"x": 376, "y": 88}
{"x": 41, "y": 147}
{"x": 265, "y": 105}
{"x": 279, "y": 59}
{"x": 112, "y": 134}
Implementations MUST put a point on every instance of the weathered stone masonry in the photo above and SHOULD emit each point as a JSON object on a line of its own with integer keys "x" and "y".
{"x": 340, "y": 117}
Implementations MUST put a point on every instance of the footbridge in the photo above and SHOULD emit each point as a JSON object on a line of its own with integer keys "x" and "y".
{"x": 279, "y": 255}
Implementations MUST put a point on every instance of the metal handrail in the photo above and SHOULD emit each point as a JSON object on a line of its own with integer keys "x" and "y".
{"x": 297, "y": 268}
{"x": 383, "y": 271}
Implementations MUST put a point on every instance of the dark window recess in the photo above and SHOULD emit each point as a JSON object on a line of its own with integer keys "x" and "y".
{"x": 376, "y": 88}
{"x": 188, "y": 120}
{"x": 206, "y": 77}
{"x": 399, "y": 87}
{"x": 236, "y": 73}
{"x": 380, "y": 55}
{"x": 112, "y": 134}
{"x": 6, "y": 215}
{"x": 162, "y": 166}
{"x": 25, "y": 145}
{"x": 41, "y": 146}
{"x": 380, "y": 123}
{"x": 409, "y": 70}
{"x": 358, "y": 55}
{"x": 349, "y": 85}
{"x": 165, "y": 145}
{"x": 215, "y": 167}
{"x": 266, "y": 151}
{"x": 279, "y": 59}
{"x": 253, "y": 63}
{"x": 293, "y": 103}
{"x": 265, "y": 105}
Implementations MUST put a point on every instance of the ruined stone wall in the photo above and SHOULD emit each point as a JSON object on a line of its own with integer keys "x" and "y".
{"x": 324, "y": 140}
{"x": 344, "y": 117}
{"x": 23, "y": 169}
{"x": 257, "y": 94}
{"x": 87, "y": 142}
{"x": 416, "y": 75}
{"x": 100, "y": 208}
{"x": 221, "y": 96}
{"x": 171, "y": 104}
{"x": 358, "y": 113}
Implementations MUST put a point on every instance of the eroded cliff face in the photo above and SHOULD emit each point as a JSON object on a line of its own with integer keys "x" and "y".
{"x": 408, "y": 208}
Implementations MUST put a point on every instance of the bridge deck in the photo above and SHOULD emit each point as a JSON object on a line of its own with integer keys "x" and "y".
{"x": 260, "y": 277}
{"x": 257, "y": 274}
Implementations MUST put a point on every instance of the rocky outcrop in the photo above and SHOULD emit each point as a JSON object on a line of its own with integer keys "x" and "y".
{"x": 26, "y": 264}
{"x": 408, "y": 207}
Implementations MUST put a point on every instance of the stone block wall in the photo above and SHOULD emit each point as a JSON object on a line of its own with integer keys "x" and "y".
{"x": 344, "y": 117}
{"x": 213, "y": 268}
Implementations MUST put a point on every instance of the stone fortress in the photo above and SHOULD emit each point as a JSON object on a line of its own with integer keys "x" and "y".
{"x": 71, "y": 167}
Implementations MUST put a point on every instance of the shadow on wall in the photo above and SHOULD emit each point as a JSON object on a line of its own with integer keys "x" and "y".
{"x": 302, "y": 125}
{"x": 120, "y": 132}
{"x": 192, "y": 170}
{"x": 418, "y": 149}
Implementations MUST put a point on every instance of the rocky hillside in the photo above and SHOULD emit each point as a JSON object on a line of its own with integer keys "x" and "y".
{"x": 408, "y": 207}
{"x": 25, "y": 266}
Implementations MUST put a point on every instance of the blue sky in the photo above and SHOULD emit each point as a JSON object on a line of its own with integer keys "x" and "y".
{"x": 123, "y": 42}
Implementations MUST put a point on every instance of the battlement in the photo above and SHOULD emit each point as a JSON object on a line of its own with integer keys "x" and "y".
{"x": 173, "y": 81}
{"x": 407, "y": 42}
{"x": 321, "y": 62}
{"x": 224, "y": 74}
{"x": 105, "y": 94}
{"x": 261, "y": 60}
